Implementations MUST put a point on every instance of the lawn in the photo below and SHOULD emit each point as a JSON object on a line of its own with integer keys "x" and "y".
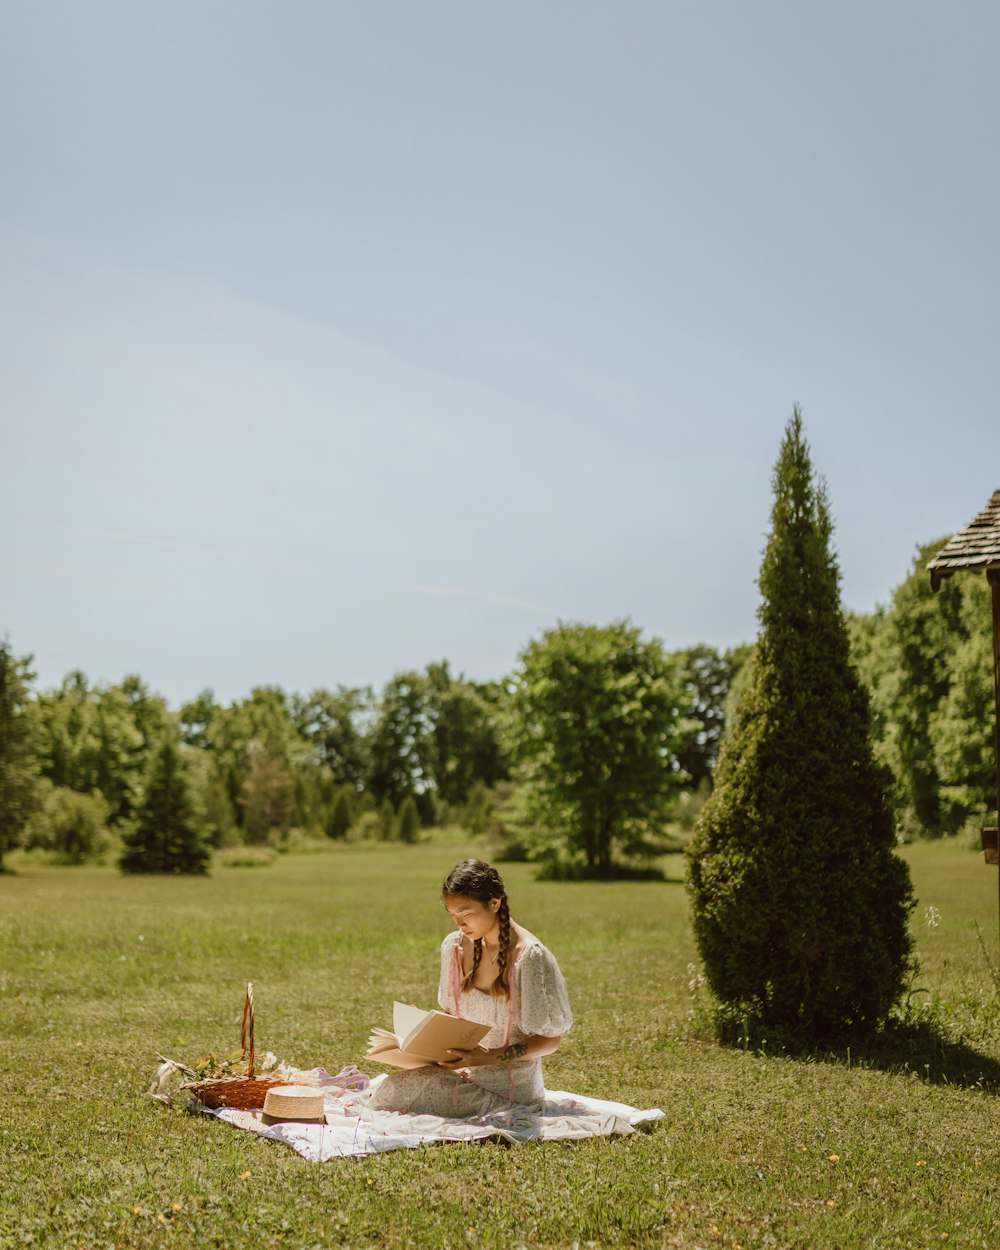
{"x": 897, "y": 1146}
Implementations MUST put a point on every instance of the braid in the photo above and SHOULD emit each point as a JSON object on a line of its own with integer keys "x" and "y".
{"x": 477, "y": 954}
{"x": 500, "y": 985}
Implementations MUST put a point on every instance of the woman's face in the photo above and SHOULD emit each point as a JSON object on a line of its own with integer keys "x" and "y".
{"x": 475, "y": 919}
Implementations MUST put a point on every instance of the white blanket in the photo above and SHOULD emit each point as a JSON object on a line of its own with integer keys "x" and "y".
{"x": 353, "y": 1129}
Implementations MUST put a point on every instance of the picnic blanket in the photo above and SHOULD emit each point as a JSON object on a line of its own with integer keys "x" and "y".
{"x": 352, "y": 1128}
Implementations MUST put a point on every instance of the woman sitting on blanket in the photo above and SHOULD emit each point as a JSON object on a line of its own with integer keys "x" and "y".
{"x": 495, "y": 972}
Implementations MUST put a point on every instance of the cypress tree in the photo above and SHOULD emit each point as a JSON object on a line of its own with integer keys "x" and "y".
{"x": 800, "y": 903}
{"x": 165, "y": 837}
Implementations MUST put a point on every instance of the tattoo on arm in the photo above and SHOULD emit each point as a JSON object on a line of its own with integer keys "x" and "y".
{"x": 516, "y": 1050}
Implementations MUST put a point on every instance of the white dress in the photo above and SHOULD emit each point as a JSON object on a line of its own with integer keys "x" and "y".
{"x": 538, "y": 1004}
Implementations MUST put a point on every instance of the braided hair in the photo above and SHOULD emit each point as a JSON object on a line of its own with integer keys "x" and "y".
{"x": 473, "y": 878}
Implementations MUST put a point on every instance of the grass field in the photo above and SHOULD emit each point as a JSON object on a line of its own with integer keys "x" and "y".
{"x": 898, "y": 1146}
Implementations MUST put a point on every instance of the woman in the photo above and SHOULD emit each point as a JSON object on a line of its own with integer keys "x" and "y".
{"x": 495, "y": 972}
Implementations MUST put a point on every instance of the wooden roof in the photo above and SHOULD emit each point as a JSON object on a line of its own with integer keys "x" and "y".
{"x": 977, "y": 547}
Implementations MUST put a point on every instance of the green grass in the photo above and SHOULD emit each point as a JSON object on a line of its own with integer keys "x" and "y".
{"x": 897, "y": 1146}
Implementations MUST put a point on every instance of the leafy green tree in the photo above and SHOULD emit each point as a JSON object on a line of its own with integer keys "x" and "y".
{"x": 337, "y": 724}
{"x": 400, "y": 742}
{"x": 267, "y": 766}
{"x": 18, "y": 760}
{"x": 434, "y": 737}
{"x": 927, "y": 661}
{"x": 595, "y": 720}
{"x": 165, "y": 838}
{"x": 800, "y": 903}
{"x": 464, "y": 735}
{"x": 67, "y": 734}
{"x": 922, "y": 630}
{"x": 266, "y": 797}
{"x": 100, "y": 739}
{"x": 196, "y": 717}
{"x": 707, "y": 676}
{"x": 961, "y": 726}
{"x": 213, "y": 808}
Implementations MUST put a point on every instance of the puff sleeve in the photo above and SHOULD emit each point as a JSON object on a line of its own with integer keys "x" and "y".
{"x": 543, "y": 1000}
{"x": 446, "y": 985}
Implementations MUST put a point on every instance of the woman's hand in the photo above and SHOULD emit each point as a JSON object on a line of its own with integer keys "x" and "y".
{"x": 478, "y": 1057}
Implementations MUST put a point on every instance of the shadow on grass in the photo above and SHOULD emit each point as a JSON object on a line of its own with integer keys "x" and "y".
{"x": 920, "y": 1047}
{"x": 903, "y": 1047}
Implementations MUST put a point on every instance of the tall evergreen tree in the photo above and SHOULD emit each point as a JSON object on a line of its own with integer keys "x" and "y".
{"x": 18, "y": 764}
{"x": 800, "y": 903}
{"x": 165, "y": 837}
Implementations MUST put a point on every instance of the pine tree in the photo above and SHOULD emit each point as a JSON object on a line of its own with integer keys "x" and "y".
{"x": 165, "y": 837}
{"x": 408, "y": 820}
{"x": 340, "y": 816}
{"x": 800, "y": 903}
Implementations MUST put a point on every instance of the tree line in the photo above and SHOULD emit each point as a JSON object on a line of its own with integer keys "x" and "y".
{"x": 598, "y": 744}
{"x": 431, "y": 748}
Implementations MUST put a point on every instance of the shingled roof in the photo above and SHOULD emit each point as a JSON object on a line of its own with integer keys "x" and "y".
{"x": 976, "y": 547}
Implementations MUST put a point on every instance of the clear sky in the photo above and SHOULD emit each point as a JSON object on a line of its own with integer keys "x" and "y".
{"x": 341, "y": 336}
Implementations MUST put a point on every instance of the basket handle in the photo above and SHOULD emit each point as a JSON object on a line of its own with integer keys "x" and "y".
{"x": 248, "y": 1028}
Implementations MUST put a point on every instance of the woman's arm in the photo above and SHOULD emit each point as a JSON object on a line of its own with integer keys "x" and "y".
{"x": 536, "y": 1047}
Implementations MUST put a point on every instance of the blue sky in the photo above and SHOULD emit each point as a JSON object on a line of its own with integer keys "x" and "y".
{"x": 341, "y": 337}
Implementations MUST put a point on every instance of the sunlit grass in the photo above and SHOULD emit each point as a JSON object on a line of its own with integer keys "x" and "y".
{"x": 890, "y": 1148}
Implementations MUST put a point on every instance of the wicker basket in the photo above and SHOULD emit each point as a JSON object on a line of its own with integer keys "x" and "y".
{"x": 242, "y": 1093}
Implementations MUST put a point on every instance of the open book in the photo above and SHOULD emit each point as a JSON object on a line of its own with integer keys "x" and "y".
{"x": 422, "y": 1037}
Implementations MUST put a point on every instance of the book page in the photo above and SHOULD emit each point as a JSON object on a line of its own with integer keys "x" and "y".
{"x": 405, "y": 1018}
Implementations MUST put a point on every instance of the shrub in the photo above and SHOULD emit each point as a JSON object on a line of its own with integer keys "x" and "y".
{"x": 366, "y": 828}
{"x": 245, "y": 857}
{"x": 72, "y": 826}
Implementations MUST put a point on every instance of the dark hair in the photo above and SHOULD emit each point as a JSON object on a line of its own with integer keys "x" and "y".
{"x": 473, "y": 878}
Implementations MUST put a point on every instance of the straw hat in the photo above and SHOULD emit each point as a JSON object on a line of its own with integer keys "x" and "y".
{"x": 301, "y": 1103}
